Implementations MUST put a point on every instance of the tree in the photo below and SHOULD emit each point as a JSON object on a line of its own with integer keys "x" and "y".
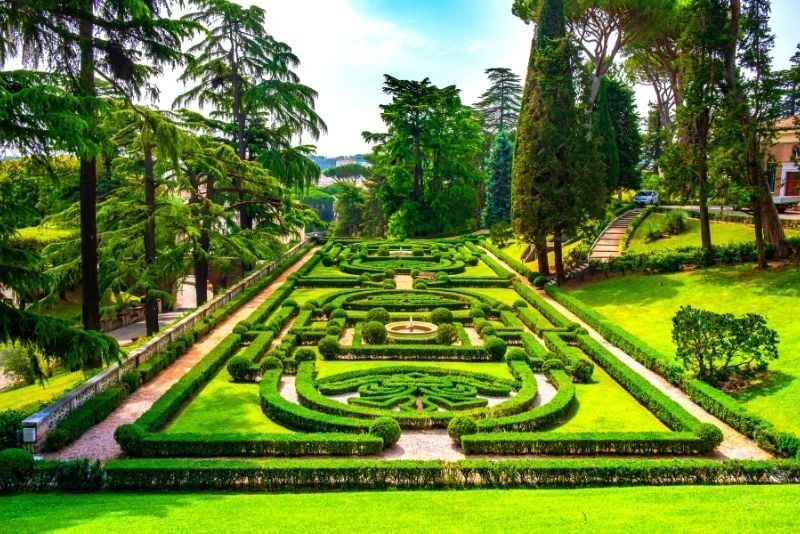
{"x": 789, "y": 80}
{"x": 605, "y": 137}
{"x": 553, "y": 184}
{"x": 349, "y": 211}
{"x": 498, "y": 185}
{"x": 350, "y": 172}
{"x": 425, "y": 167}
{"x": 84, "y": 40}
{"x": 716, "y": 346}
{"x": 247, "y": 76}
{"x": 498, "y": 106}
{"x": 622, "y": 108}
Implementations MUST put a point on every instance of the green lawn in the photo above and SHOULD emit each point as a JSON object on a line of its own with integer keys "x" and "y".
{"x": 327, "y": 368}
{"x": 481, "y": 270}
{"x": 721, "y": 233}
{"x": 27, "y": 399}
{"x": 604, "y": 406}
{"x": 516, "y": 248}
{"x": 328, "y": 272}
{"x": 301, "y": 296}
{"x": 645, "y": 304}
{"x": 224, "y": 406}
{"x": 666, "y": 509}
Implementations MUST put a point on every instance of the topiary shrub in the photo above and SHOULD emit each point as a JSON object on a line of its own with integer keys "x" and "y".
{"x": 387, "y": 429}
{"x": 388, "y": 284}
{"x": 271, "y": 362}
{"x": 241, "y": 369}
{"x": 383, "y": 250}
{"x": 414, "y": 272}
{"x": 537, "y": 364}
{"x": 240, "y": 329}
{"x": 440, "y": 315}
{"x": 16, "y": 468}
{"x": 417, "y": 251}
{"x": 378, "y": 314}
{"x": 476, "y": 313}
{"x": 131, "y": 380}
{"x": 420, "y": 285}
{"x": 519, "y": 303}
{"x": 389, "y": 273}
{"x": 374, "y": 333}
{"x": 329, "y": 308}
{"x": 289, "y": 303}
{"x": 710, "y": 434}
{"x": 461, "y": 425}
{"x": 10, "y": 422}
{"x": 582, "y": 371}
{"x": 129, "y": 437}
{"x": 516, "y": 354}
{"x": 552, "y": 363}
{"x": 329, "y": 346}
{"x": 304, "y": 354}
{"x": 333, "y": 330}
{"x": 487, "y": 330}
{"x": 540, "y": 281}
{"x": 442, "y": 276}
{"x": 311, "y": 305}
{"x": 327, "y": 260}
{"x": 338, "y": 313}
{"x": 495, "y": 346}
{"x": 363, "y": 278}
{"x": 447, "y": 334}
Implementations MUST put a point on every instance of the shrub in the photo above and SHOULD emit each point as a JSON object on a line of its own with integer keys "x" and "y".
{"x": 88, "y": 414}
{"x": 487, "y": 330}
{"x": 420, "y": 285}
{"x": 311, "y": 305}
{"x": 338, "y": 313}
{"x": 16, "y": 467}
{"x": 363, "y": 278}
{"x": 241, "y": 369}
{"x": 333, "y": 330}
{"x": 388, "y": 284}
{"x": 516, "y": 354}
{"x": 447, "y": 334}
{"x": 304, "y": 354}
{"x": 495, "y": 346}
{"x": 414, "y": 272}
{"x": 476, "y": 313}
{"x": 520, "y": 303}
{"x": 654, "y": 233}
{"x": 552, "y": 363}
{"x": 582, "y": 371}
{"x": 540, "y": 281}
{"x": 327, "y": 261}
{"x": 378, "y": 314}
{"x": 79, "y": 475}
{"x": 271, "y": 362}
{"x": 387, "y": 429}
{"x": 329, "y": 346}
{"x": 709, "y": 434}
{"x": 461, "y": 425}
{"x": 440, "y": 315}
{"x": 417, "y": 251}
{"x": 374, "y": 332}
{"x": 240, "y": 329}
{"x": 383, "y": 250}
{"x": 389, "y": 273}
{"x": 537, "y": 364}
{"x": 10, "y": 421}
{"x": 131, "y": 380}
{"x": 675, "y": 221}
{"x": 442, "y": 277}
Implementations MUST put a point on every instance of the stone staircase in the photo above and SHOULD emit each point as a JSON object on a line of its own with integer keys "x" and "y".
{"x": 607, "y": 244}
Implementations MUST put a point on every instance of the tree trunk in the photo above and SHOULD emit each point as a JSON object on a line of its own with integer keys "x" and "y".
{"x": 201, "y": 268}
{"x": 559, "y": 260}
{"x": 702, "y": 177}
{"x": 245, "y": 221}
{"x": 88, "y": 196}
{"x": 151, "y": 303}
{"x": 542, "y": 262}
{"x": 759, "y": 231}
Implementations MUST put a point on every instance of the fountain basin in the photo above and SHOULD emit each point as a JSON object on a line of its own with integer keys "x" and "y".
{"x": 410, "y": 330}
{"x": 400, "y": 253}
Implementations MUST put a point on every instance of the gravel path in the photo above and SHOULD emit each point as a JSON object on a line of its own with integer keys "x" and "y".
{"x": 404, "y": 281}
{"x": 734, "y": 445}
{"x": 98, "y": 442}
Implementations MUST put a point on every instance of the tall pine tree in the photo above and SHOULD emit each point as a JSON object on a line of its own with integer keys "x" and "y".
{"x": 605, "y": 136}
{"x": 498, "y": 186}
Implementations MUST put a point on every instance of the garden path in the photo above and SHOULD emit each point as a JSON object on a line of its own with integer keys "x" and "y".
{"x": 734, "y": 445}
{"x": 404, "y": 281}
{"x": 99, "y": 443}
{"x": 607, "y": 244}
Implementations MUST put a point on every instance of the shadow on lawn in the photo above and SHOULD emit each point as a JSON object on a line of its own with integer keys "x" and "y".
{"x": 772, "y": 383}
{"x": 630, "y": 290}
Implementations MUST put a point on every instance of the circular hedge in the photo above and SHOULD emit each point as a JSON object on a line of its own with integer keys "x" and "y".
{"x": 374, "y": 333}
{"x": 387, "y": 429}
{"x": 271, "y": 362}
{"x": 304, "y": 354}
{"x": 516, "y": 354}
{"x": 461, "y": 425}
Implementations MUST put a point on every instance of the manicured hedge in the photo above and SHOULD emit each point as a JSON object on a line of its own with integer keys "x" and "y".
{"x": 259, "y": 346}
{"x": 550, "y": 313}
{"x": 308, "y": 281}
{"x": 415, "y": 352}
{"x": 87, "y": 415}
{"x": 334, "y": 474}
{"x": 514, "y": 263}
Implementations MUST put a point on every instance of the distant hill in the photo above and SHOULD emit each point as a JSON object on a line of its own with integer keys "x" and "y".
{"x": 326, "y": 162}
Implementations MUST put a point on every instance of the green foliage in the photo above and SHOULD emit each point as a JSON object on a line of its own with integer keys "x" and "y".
{"x": 516, "y": 354}
{"x": 440, "y": 316}
{"x": 271, "y": 362}
{"x": 461, "y": 425}
{"x": 495, "y": 346}
{"x": 625, "y": 119}
{"x": 303, "y": 354}
{"x": 447, "y": 334}
{"x": 374, "y": 332}
{"x": 553, "y": 363}
{"x": 387, "y": 429}
{"x": 540, "y": 281}
{"x": 329, "y": 346}
{"x": 80, "y": 475}
{"x": 16, "y": 467}
{"x": 10, "y": 423}
{"x": 378, "y": 314}
{"x": 498, "y": 189}
{"x": 88, "y": 414}
{"x": 241, "y": 369}
{"x": 498, "y": 106}
{"x": 720, "y": 346}
{"x": 604, "y": 134}
{"x": 582, "y": 371}
{"x": 501, "y": 233}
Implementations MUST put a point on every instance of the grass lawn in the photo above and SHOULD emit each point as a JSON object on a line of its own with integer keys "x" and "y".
{"x": 328, "y": 272}
{"x": 516, "y": 248}
{"x": 301, "y": 296}
{"x": 721, "y": 233}
{"x": 477, "y": 271}
{"x": 327, "y": 368}
{"x": 665, "y": 509}
{"x": 645, "y": 304}
{"x": 604, "y": 406}
{"x": 224, "y": 406}
{"x": 27, "y": 399}
{"x": 506, "y": 296}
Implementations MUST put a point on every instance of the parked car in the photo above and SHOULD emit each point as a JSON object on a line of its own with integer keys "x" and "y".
{"x": 646, "y": 198}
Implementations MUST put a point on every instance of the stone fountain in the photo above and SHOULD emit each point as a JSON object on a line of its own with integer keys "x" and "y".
{"x": 410, "y": 329}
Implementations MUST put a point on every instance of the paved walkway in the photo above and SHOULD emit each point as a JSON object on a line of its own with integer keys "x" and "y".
{"x": 404, "y": 281}
{"x": 734, "y": 445}
{"x": 98, "y": 442}
{"x": 607, "y": 245}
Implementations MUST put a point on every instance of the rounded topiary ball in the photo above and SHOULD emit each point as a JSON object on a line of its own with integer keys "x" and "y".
{"x": 552, "y": 363}
{"x": 338, "y": 313}
{"x": 378, "y": 314}
{"x": 516, "y": 354}
{"x": 329, "y": 346}
{"x": 420, "y": 285}
{"x": 390, "y": 273}
{"x": 495, "y": 346}
{"x": 333, "y": 330}
{"x": 461, "y": 425}
{"x": 447, "y": 334}
{"x": 289, "y": 303}
{"x": 487, "y": 330}
{"x": 442, "y": 276}
{"x": 387, "y": 429}
{"x": 305, "y": 354}
{"x": 441, "y": 315}
{"x": 414, "y": 272}
{"x": 388, "y": 284}
{"x": 710, "y": 434}
{"x": 241, "y": 369}
{"x": 271, "y": 362}
{"x": 582, "y": 371}
{"x": 477, "y": 313}
{"x": 374, "y": 333}
{"x": 540, "y": 281}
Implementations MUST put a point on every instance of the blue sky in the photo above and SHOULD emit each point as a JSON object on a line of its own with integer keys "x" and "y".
{"x": 346, "y": 46}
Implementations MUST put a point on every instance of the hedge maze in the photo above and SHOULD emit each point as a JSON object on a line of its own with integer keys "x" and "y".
{"x": 501, "y": 375}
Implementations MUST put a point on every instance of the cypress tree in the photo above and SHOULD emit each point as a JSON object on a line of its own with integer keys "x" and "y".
{"x": 606, "y": 138}
{"x": 498, "y": 186}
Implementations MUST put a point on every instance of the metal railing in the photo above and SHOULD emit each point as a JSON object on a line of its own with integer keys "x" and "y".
{"x": 35, "y": 427}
